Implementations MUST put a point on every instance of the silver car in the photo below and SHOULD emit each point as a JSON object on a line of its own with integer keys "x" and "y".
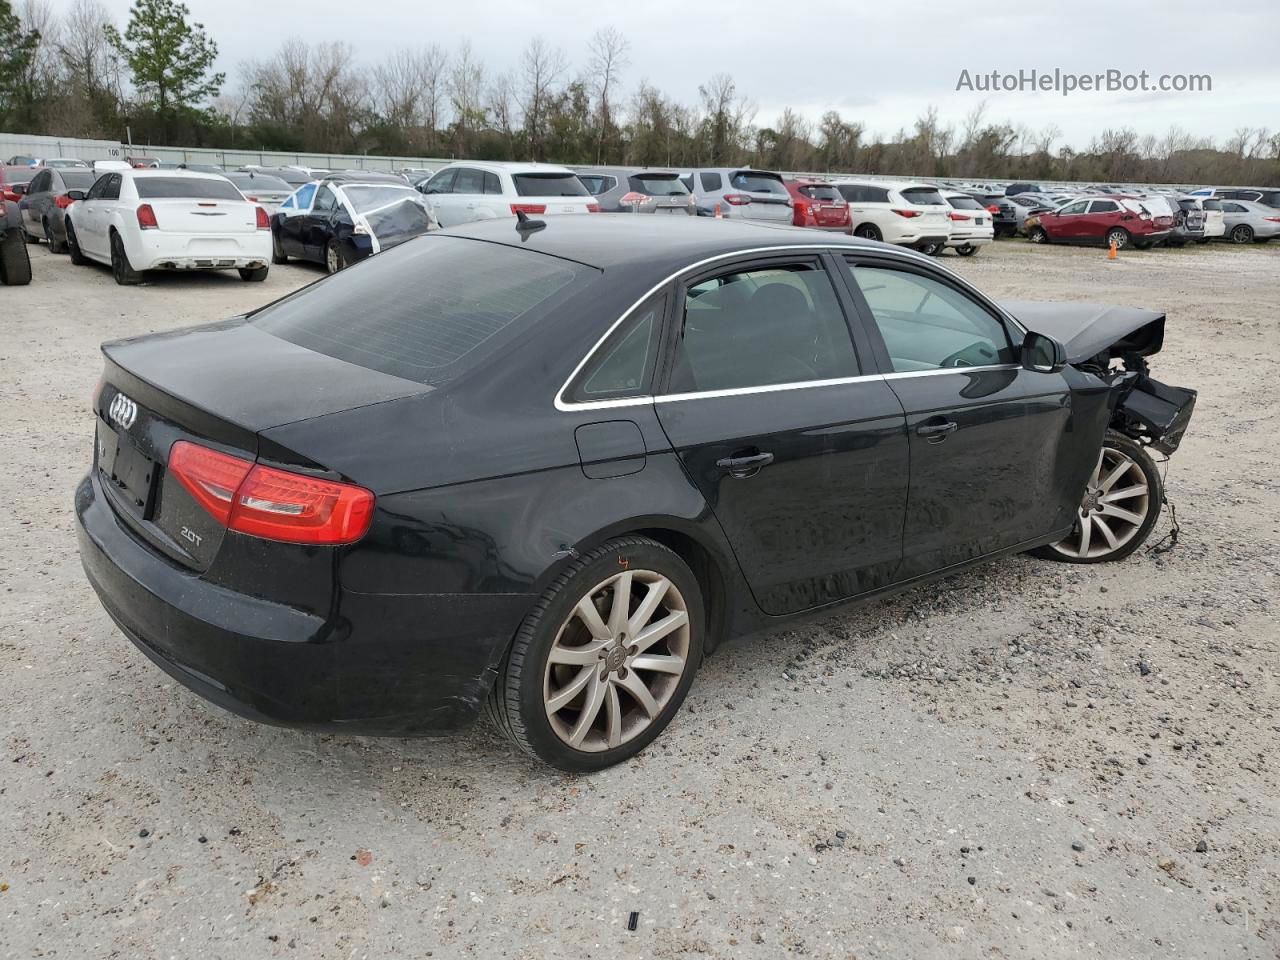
{"x": 1247, "y": 221}
{"x": 740, "y": 193}
{"x": 265, "y": 189}
{"x": 637, "y": 190}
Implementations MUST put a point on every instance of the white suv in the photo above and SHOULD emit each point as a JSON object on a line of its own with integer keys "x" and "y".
{"x": 971, "y": 223}
{"x": 472, "y": 190}
{"x": 902, "y": 212}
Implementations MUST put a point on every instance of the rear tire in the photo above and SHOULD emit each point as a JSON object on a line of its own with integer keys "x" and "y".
{"x": 121, "y": 269}
{"x": 253, "y": 274}
{"x": 1119, "y": 236}
{"x": 1121, "y": 505}
{"x": 15, "y": 263}
{"x": 73, "y": 247}
{"x": 929, "y": 249}
{"x": 580, "y": 688}
{"x": 277, "y": 252}
{"x": 1242, "y": 233}
{"x": 55, "y": 245}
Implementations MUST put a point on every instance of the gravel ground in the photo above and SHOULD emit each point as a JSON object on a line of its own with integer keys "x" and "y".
{"x": 1029, "y": 759}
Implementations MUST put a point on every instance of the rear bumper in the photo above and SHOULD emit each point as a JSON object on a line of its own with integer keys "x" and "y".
{"x": 170, "y": 251}
{"x": 978, "y": 240}
{"x": 375, "y": 664}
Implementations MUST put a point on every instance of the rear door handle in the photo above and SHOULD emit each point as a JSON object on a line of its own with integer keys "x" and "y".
{"x": 938, "y": 431}
{"x": 746, "y": 466}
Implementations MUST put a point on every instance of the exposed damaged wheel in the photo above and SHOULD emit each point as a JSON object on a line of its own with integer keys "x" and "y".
{"x": 1037, "y": 235}
{"x": 601, "y": 665}
{"x": 1120, "y": 506}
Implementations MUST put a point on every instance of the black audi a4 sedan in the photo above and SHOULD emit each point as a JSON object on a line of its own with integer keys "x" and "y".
{"x": 543, "y": 469}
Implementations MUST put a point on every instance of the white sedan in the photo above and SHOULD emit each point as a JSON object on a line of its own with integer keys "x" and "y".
{"x": 139, "y": 220}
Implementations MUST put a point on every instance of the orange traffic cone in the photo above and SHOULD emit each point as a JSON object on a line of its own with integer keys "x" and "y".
{"x": 719, "y": 216}
{"x": 1111, "y": 254}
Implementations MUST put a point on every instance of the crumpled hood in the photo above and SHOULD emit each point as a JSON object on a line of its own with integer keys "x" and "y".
{"x": 1087, "y": 329}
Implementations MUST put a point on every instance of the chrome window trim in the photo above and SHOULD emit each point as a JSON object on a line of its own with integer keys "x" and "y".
{"x": 565, "y": 405}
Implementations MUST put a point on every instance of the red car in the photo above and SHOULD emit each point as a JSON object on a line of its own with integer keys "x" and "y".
{"x": 1126, "y": 221}
{"x": 818, "y": 204}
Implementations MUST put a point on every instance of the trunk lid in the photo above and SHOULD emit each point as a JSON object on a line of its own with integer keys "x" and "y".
{"x": 205, "y": 216}
{"x": 196, "y": 385}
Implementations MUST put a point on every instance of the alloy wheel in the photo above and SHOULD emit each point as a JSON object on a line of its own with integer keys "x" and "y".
{"x": 1242, "y": 234}
{"x": 1119, "y": 237}
{"x": 1115, "y": 506}
{"x": 333, "y": 261}
{"x": 617, "y": 660}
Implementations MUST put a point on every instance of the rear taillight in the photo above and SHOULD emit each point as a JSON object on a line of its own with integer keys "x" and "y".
{"x": 62, "y": 201}
{"x": 736, "y": 199}
{"x": 593, "y": 208}
{"x": 1272, "y": 219}
{"x": 632, "y": 199}
{"x": 147, "y": 218}
{"x": 529, "y": 208}
{"x": 263, "y": 222}
{"x": 993, "y": 209}
{"x": 958, "y": 216}
{"x": 274, "y": 504}
{"x": 802, "y": 208}
{"x": 907, "y": 213}
{"x": 10, "y": 196}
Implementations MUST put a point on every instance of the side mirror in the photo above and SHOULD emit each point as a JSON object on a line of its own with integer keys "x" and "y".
{"x": 76, "y": 194}
{"x": 19, "y": 189}
{"x": 1041, "y": 354}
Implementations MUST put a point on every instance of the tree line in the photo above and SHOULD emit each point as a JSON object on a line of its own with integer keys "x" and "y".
{"x": 81, "y": 75}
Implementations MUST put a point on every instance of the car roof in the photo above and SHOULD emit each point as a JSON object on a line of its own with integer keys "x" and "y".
{"x": 670, "y": 242}
{"x": 178, "y": 172}
{"x": 630, "y": 171}
{"x": 357, "y": 176}
{"x": 887, "y": 184}
{"x": 508, "y": 166}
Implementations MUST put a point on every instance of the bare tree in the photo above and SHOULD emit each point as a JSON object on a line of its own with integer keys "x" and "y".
{"x": 541, "y": 68}
{"x": 609, "y": 50}
{"x": 466, "y": 85}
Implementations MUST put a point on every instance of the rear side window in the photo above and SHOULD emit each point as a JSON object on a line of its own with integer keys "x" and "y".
{"x": 926, "y": 196}
{"x": 491, "y": 182}
{"x": 594, "y": 182}
{"x": 426, "y": 311}
{"x": 862, "y": 193}
{"x": 657, "y": 185}
{"x": 1212, "y": 204}
{"x": 1104, "y": 206}
{"x": 710, "y": 181}
{"x": 184, "y": 188}
{"x": 773, "y": 325}
{"x": 549, "y": 185}
{"x": 756, "y": 182}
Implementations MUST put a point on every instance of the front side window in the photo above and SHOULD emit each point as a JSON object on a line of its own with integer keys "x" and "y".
{"x": 325, "y": 201}
{"x": 442, "y": 182}
{"x": 111, "y": 189}
{"x": 621, "y": 368}
{"x": 760, "y": 327}
{"x": 40, "y": 183}
{"x": 469, "y": 181}
{"x": 1077, "y": 207}
{"x": 929, "y": 325}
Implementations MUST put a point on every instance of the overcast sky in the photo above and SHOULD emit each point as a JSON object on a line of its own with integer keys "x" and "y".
{"x": 881, "y": 63}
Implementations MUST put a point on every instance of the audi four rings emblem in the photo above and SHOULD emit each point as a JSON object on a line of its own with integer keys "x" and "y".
{"x": 123, "y": 411}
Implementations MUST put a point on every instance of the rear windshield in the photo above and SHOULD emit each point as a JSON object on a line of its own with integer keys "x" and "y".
{"x": 194, "y": 188}
{"x": 824, "y": 194}
{"x": 78, "y": 179}
{"x": 366, "y": 197}
{"x": 754, "y": 181}
{"x": 549, "y": 185}
{"x": 658, "y": 184}
{"x": 928, "y": 196}
{"x": 965, "y": 203}
{"x": 259, "y": 181}
{"x": 426, "y": 311}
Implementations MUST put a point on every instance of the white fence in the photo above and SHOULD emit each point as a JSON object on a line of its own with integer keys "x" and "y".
{"x": 12, "y": 144}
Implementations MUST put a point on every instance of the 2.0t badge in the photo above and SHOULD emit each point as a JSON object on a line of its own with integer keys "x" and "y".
{"x": 123, "y": 411}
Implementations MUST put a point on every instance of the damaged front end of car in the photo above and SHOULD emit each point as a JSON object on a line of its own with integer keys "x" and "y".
{"x": 1113, "y": 344}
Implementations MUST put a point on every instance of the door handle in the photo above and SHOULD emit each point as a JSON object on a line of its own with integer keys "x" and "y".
{"x": 745, "y": 466}
{"x": 937, "y": 432}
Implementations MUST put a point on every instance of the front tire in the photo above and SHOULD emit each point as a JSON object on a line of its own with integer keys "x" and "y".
{"x": 121, "y": 269}
{"x": 1121, "y": 505}
{"x": 602, "y": 663}
{"x": 1038, "y": 235}
{"x": 868, "y": 231}
{"x": 333, "y": 259}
